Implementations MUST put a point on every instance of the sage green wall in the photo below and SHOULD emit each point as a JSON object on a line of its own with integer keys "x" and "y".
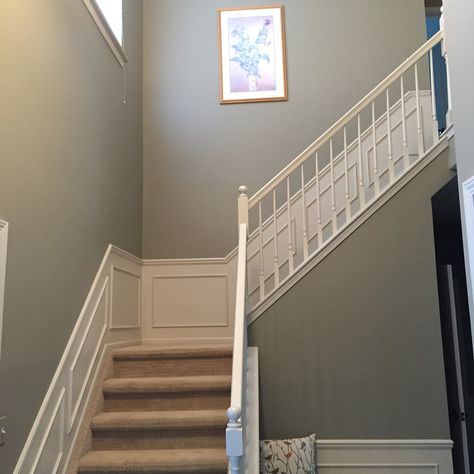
{"x": 197, "y": 152}
{"x": 354, "y": 349}
{"x": 70, "y": 184}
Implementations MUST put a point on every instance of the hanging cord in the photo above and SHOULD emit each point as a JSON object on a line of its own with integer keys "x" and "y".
{"x": 124, "y": 90}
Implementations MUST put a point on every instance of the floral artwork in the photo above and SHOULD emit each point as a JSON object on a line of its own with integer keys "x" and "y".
{"x": 288, "y": 456}
{"x": 252, "y": 59}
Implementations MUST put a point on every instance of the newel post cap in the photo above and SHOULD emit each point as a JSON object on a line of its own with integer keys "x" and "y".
{"x": 243, "y": 190}
{"x": 233, "y": 414}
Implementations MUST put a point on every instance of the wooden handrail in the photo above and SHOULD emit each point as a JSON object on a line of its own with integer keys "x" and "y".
{"x": 346, "y": 118}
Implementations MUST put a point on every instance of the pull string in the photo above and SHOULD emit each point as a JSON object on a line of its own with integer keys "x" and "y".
{"x": 124, "y": 81}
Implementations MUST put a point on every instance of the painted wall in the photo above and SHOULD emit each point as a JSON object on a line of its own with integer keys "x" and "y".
{"x": 460, "y": 44}
{"x": 70, "y": 183}
{"x": 354, "y": 349}
{"x": 197, "y": 152}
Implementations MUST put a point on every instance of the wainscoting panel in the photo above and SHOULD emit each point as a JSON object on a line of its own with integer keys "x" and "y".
{"x": 171, "y": 310}
{"x": 189, "y": 300}
{"x": 126, "y": 299}
{"x": 55, "y": 429}
{"x": 384, "y": 457}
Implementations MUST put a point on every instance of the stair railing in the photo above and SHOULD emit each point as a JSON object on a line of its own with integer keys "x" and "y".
{"x": 235, "y": 432}
{"x": 343, "y": 172}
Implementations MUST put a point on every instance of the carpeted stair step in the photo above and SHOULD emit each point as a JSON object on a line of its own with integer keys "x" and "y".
{"x": 151, "y": 361}
{"x": 167, "y": 393}
{"x": 146, "y": 430}
{"x": 176, "y": 461}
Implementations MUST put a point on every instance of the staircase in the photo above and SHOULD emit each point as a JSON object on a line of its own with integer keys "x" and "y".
{"x": 164, "y": 411}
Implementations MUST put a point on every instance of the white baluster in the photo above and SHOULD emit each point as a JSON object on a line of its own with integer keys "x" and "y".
{"x": 449, "y": 114}
{"x": 276, "y": 265}
{"x": 346, "y": 179}
{"x": 304, "y": 215}
{"x": 333, "y": 189}
{"x": 374, "y": 144}
{"x": 260, "y": 240}
{"x": 318, "y": 208}
{"x": 361, "y": 167}
{"x": 433, "y": 101}
{"x": 234, "y": 440}
{"x": 290, "y": 236}
{"x": 406, "y": 159}
{"x": 391, "y": 171}
{"x": 419, "y": 130}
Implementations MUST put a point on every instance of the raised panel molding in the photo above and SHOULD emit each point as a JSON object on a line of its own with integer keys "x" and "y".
{"x": 385, "y": 456}
{"x": 125, "y": 299}
{"x": 3, "y": 265}
{"x": 86, "y": 354}
{"x": 171, "y": 310}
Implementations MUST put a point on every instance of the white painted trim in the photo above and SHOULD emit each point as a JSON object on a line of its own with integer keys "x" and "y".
{"x": 3, "y": 266}
{"x": 61, "y": 383}
{"x": 422, "y": 456}
{"x": 252, "y": 434}
{"x": 354, "y": 224}
{"x": 139, "y": 309}
{"x": 106, "y": 31}
{"x": 72, "y": 412}
{"x": 378, "y": 444}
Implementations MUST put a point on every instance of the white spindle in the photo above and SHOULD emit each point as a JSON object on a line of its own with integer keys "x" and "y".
{"x": 304, "y": 215}
{"x": 391, "y": 171}
{"x": 333, "y": 189}
{"x": 276, "y": 265}
{"x": 260, "y": 241}
{"x": 374, "y": 144}
{"x": 318, "y": 203}
{"x": 346, "y": 178}
{"x": 434, "y": 114}
{"x": 290, "y": 237}
{"x": 406, "y": 160}
{"x": 361, "y": 168}
{"x": 419, "y": 130}
{"x": 449, "y": 114}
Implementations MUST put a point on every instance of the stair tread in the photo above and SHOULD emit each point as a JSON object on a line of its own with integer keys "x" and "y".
{"x": 197, "y": 383}
{"x": 150, "y": 420}
{"x": 172, "y": 352}
{"x": 181, "y": 460}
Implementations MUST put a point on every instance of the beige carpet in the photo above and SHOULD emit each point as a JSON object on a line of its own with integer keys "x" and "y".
{"x": 164, "y": 411}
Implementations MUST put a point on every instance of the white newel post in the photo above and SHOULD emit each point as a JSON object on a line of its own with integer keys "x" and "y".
{"x": 243, "y": 206}
{"x": 234, "y": 439}
{"x": 449, "y": 114}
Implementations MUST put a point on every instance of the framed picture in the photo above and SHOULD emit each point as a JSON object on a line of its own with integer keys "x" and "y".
{"x": 252, "y": 59}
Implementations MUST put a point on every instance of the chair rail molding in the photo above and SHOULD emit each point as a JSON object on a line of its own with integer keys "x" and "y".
{"x": 3, "y": 266}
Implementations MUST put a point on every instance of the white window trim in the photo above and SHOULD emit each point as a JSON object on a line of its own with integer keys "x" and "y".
{"x": 3, "y": 266}
{"x": 468, "y": 195}
{"x": 106, "y": 31}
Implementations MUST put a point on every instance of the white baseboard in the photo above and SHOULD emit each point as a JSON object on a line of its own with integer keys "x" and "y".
{"x": 54, "y": 431}
{"x": 430, "y": 456}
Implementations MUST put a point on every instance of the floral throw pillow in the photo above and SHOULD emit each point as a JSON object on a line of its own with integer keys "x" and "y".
{"x": 288, "y": 456}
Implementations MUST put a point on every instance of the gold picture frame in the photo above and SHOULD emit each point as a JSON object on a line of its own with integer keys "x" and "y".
{"x": 252, "y": 54}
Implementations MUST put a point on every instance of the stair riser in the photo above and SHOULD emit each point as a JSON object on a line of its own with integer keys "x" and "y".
{"x": 163, "y": 402}
{"x": 172, "y": 367}
{"x": 158, "y": 439}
